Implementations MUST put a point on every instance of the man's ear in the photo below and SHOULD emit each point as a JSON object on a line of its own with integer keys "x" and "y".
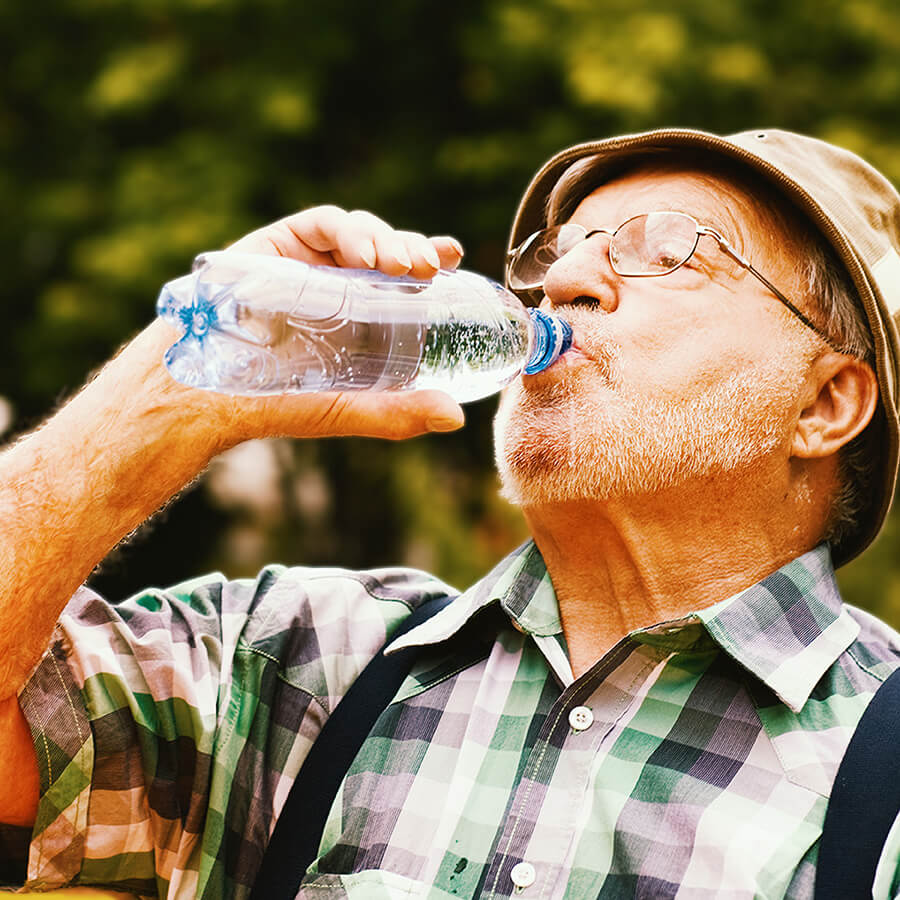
{"x": 842, "y": 393}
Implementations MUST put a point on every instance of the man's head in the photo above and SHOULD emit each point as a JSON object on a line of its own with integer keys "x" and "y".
{"x": 702, "y": 372}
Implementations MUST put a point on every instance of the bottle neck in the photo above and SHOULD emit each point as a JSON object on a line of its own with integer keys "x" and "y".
{"x": 551, "y": 337}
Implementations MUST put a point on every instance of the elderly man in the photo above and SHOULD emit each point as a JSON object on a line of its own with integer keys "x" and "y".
{"x": 656, "y": 692}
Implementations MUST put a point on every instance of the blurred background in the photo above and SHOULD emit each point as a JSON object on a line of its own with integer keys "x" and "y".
{"x": 136, "y": 133}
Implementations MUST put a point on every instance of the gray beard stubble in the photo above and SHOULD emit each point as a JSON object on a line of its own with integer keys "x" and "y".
{"x": 564, "y": 441}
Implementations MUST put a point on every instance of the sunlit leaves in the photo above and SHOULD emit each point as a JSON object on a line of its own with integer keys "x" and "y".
{"x": 739, "y": 64}
{"x": 287, "y": 111}
{"x": 136, "y": 133}
{"x": 135, "y": 77}
{"x": 623, "y": 64}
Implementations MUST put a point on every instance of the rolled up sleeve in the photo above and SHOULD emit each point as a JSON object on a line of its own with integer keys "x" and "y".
{"x": 170, "y": 727}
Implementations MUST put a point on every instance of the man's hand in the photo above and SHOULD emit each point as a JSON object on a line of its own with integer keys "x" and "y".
{"x": 133, "y": 437}
{"x": 328, "y": 235}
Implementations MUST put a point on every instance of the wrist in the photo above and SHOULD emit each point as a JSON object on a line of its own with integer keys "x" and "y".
{"x": 203, "y": 421}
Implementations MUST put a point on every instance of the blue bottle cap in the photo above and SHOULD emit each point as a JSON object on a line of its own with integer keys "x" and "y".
{"x": 552, "y": 337}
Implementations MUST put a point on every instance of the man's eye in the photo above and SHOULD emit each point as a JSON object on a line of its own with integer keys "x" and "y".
{"x": 665, "y": 258}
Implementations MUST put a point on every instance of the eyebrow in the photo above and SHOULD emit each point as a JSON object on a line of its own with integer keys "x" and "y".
{"x": 729, "y": 230}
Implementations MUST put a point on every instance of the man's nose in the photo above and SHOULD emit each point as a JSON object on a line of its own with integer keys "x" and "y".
{"x": 584, "y": 275}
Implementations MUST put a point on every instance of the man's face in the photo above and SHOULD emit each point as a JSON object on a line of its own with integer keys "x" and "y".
{"x": 681, "y": 376}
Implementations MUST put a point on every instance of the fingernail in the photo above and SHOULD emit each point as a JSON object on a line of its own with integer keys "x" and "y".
{"x": 368, "y": 255}
{"x": 403, "y": 259}
{"x": 457, "y": 246}
{"x": 443, "y": 424}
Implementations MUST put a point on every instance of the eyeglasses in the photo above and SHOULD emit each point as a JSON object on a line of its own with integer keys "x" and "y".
{"x": 650, "y": 244}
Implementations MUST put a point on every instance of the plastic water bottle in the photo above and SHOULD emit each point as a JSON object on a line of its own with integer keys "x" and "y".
{"x": 256, "y": 324}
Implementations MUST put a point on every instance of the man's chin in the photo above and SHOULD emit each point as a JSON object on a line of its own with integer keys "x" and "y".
{"x": 546, "y": 454}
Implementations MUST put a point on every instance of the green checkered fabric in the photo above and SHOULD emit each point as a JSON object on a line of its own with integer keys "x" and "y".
{"x": 693, "y": 761}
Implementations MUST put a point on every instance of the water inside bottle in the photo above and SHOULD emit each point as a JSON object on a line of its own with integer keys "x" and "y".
{"x": 473, "y": 357}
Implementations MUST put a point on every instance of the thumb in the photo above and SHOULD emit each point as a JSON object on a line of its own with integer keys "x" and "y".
{"x": 445, "y": 414}
{"x": 392, "y": 415}
{"x": 400, "y": 415}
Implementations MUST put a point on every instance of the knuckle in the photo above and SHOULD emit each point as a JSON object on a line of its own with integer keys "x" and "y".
{"x": 362, "y": 218}
{"x": 414, "y": 238}
{"x": 321, "y": 212}
{"x": 332, "y": 413}
{"x": 326, "y": 216}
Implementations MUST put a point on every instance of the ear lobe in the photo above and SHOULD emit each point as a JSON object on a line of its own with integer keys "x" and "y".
{"x": 845, "y": 392}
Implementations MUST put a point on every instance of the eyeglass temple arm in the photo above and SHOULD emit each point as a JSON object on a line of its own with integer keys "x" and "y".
{"x": 745, "y": 263}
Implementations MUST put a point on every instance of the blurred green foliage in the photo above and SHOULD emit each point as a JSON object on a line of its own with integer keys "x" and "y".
{"x": 136, "y": 133}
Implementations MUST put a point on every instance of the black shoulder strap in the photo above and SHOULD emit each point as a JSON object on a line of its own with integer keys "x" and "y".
{"x": 864, "y": 802}
{"x": 298, "y": 831}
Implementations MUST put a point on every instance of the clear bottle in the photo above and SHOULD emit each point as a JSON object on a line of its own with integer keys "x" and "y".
{"x": 256, "y": 324}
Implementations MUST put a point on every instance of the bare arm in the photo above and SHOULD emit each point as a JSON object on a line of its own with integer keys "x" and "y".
{"x": 133, "y": 438}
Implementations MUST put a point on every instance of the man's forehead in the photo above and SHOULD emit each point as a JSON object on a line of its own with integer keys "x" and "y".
{"x": 709, "y": 198}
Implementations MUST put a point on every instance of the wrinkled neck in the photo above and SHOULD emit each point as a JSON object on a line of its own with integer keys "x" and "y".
{"x": 623, "y": 564}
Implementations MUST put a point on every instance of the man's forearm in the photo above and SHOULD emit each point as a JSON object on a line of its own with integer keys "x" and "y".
{"x": 134, "y": 437}
{"x": 73, "y": 489}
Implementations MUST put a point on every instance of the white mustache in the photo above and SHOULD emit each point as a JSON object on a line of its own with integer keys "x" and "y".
{"x": 592, "y": 338}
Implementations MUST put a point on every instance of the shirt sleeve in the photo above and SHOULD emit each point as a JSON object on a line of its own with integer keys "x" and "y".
{"x": 170, "y": 727}
{"x": 887, "y": 874}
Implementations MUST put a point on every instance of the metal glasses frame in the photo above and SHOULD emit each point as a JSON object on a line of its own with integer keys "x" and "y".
{"x": 700, "y": 231}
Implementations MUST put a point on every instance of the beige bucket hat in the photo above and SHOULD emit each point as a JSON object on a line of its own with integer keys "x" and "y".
{"x": 850, "y": 203}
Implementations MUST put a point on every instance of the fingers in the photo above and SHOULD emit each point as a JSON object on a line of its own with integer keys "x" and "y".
{"x": 293, "y": 237}
{"x": 329, "y": 235}
{"x": 361, "y": 240}
{"x": 411, "y": 253}
{"x": 449, "y": 251}
{"x": 367, "y": 241}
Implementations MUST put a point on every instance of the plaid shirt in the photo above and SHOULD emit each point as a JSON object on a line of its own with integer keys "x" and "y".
{"x": 694, "y": 760}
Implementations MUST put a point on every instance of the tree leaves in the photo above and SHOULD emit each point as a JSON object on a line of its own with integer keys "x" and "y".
{"x": 137, "y": 133}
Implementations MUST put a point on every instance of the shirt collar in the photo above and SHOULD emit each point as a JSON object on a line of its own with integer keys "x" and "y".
{"x": 786, "y": 630}
{"x": 519, "y": 583}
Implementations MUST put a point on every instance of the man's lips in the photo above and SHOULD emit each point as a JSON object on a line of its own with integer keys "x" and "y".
{"x": 574, "y": 356}
{"x": 577, "y": 349}
{"x": 580, "y": 354}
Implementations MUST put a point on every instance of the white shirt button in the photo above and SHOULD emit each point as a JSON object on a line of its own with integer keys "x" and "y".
{"x": 523, "y": 875}
{"x": 580, "y": 718}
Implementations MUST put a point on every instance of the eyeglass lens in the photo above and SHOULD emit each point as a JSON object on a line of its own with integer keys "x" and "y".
{"x": 649, "y": 244}
{"x": 653, "y": 244}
